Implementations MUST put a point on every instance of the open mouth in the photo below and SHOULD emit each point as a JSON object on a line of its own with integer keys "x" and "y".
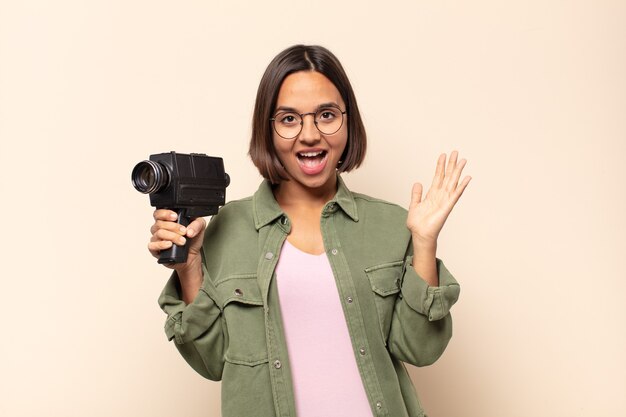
{"x": 312, "y": 162}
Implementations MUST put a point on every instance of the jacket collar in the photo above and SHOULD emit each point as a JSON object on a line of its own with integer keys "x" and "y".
{"x": 266, "y": 208}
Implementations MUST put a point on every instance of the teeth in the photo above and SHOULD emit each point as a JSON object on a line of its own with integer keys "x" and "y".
{"x": 310, "y": 154}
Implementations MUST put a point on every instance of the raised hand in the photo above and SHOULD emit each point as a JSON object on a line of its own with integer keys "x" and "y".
{"x": 426, "y": 217}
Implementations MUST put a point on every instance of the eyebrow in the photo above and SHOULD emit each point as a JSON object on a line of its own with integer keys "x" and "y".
{"x": 294, "y": 110}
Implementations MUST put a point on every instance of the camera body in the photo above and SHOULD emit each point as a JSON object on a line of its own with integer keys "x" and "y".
{"x": 193, "y": 185}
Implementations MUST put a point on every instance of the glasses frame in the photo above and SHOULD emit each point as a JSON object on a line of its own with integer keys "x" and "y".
{"x": 313, "y": 113}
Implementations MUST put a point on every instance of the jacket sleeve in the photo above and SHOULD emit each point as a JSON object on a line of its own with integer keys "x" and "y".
{"x": 195, "y": 328}
{"x": 421, "y": 325}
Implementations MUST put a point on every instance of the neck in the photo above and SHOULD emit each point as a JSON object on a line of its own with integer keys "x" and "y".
{"x": 290, "y": 194}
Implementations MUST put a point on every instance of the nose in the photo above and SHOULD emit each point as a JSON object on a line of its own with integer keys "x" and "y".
{"x": 309, "y": 133}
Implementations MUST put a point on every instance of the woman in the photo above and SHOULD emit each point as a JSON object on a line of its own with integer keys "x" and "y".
{"x": 306, "y": 298}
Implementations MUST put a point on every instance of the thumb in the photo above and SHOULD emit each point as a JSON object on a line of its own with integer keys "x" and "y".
{"x": 196, "y": 227}
{"x": 416, "y": 194}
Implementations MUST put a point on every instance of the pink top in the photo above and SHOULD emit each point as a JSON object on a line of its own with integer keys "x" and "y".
{"x": 326, "y": 379}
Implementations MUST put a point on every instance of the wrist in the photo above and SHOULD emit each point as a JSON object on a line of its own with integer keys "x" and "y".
{"x": 424, "y": 245}
{"x": 425, "y": 262}
{"x": 190, "y": 272}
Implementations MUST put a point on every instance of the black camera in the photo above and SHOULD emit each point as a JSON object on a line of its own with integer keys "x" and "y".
{"x": 192, "y": 185}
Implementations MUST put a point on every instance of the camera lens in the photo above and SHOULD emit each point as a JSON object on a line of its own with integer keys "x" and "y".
{"x": 148, "y": 177}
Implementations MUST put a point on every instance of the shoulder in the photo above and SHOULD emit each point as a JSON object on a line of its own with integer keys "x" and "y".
{"x": 380, "y": 217}
{"x": 237, "y": 207}
{"x": 235, "y": 217}
{"x": 382, "y": 224}
{"x": 368, "y": 203}
{"x": 229, "y": 234}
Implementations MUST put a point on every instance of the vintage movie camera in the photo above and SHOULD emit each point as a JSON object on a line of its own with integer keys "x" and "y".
{"x": 192, "y": 185}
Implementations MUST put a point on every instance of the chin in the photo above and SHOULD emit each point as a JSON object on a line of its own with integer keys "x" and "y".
{"x": 314, "y": 182}
{"x": 318, "y": 184}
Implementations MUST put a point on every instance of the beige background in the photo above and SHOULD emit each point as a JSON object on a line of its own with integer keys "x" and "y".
{"x": 532, "y": 93}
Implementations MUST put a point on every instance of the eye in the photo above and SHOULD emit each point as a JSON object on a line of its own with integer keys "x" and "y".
{"x": 287, "y": 118}
{"x": 327, "y": 115}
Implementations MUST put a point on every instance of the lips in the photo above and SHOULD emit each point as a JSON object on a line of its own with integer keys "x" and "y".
{"x": 312, "y": 162}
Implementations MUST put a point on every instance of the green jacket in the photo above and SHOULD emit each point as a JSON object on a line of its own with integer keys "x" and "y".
{"x": 233, "y": 331}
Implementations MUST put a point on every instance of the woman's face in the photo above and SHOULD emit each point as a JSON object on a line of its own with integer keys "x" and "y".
{"x": 311, "y": 157}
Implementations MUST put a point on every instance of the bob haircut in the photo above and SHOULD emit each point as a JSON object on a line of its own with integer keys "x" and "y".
{"x": 293, "y": 59}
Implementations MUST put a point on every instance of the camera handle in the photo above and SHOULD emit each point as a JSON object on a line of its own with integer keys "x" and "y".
{"x": 176, "y": 254}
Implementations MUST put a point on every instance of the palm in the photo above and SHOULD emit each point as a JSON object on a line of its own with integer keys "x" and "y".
{"x": 426, "y": 217}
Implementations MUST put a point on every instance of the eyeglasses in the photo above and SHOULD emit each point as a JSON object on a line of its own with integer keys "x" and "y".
{"x": 288, "y": 124}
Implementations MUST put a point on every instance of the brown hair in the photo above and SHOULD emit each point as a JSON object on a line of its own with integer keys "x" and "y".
{"x": 294, "y": 59}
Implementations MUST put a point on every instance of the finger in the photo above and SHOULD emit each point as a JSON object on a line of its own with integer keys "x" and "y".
{"x": 196, "y": 227}
{"x": 461, "y": 188}
{"x": 438, "y": 179}
{"x": 164, "y": 214}
{"x": 452, "y": 163}
{"x": 456, "y": 174}
{"x": 156, "y": 247}
{"x": 168, "y": 225}
{"x": 450, "y": 168}
{"x": 163, "y": 234}
{"x": 416, "y": 194}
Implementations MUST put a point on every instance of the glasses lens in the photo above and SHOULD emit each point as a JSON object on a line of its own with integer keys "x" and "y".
{"x": 287, "y": 124}
{"x": 328, "y": 120}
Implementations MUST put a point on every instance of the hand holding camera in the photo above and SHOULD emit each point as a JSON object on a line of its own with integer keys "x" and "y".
{"x": 183, "y": 188}
{"x": 166, "y": 232}
{"x": 187, "y": 186}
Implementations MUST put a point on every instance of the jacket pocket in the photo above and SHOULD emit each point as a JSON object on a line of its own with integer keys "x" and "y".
{"x": 243, "y": 312}
{"x": 247, "y": 391}
{"x": 385, "y": 281}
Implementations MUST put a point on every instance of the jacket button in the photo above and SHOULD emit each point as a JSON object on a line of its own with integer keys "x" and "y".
{"x": 379, "y": 405}
{"x": 334, "y": 251}
{"x": 277, "y": 364}
{"x": 349, "y": 300}
{"x": 362, "y": 351}
{"x": 238, "y": 292}
{"x": 284, "y": 220}
{"x": 269, "y": 255}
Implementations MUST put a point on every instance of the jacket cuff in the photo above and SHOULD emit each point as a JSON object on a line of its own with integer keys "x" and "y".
{"x": 433, "y": 302}
{"x": 185, "y": 322}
